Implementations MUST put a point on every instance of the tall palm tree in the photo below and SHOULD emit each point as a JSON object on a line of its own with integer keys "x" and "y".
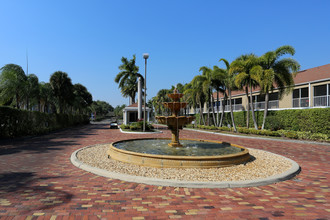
{"x": 206, "y": 80}
{"x": 31, "y": 90}
{"x": 197, "y": 91}
{"x": 45, "y": 96}
{"x": 159, "y": 99}
{"x": 62, "y": 88}
{"x": 242, "y": 66}
{"x": 217, "y": 83}
{"x": 229, "y": 82}
{"x": 82, "y": 98}
{"x": 274, "y": 72}
{"x": 12, "y": 84}
{"x": 127, "y": 78}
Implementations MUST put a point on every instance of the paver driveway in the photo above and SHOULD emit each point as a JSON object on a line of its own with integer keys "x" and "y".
{"x": 37, "y": 181}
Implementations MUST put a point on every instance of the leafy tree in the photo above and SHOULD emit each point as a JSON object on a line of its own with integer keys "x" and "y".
{"x": 119, "y": 110}
{"x": 274, "y": 72}
{"x": 127, "y": 78}
{"x": 12, "y": 84}
{"x": 101, "y": 108}
{"x": 62, "y": 89}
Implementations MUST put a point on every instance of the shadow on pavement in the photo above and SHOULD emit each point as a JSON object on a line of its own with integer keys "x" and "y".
{"x": 24, "y": 189}
{"x": 50, "y": 142}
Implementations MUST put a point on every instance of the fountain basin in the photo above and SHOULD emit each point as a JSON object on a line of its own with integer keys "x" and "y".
{"x": 237, "y": 155}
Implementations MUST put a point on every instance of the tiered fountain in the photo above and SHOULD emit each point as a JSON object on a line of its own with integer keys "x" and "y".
{"x": 175, "y": 122}
{"x": 190, "y": 153}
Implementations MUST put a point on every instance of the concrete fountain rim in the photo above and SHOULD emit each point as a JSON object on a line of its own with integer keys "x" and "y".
{"x": 286, "y": 175}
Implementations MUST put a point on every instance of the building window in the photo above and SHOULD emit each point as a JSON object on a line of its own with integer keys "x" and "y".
{"x": 236, "y": 104}
{"x": 300, "y": 98}
{"x": 321, "y": 95}
{"x": 259, "y": 101}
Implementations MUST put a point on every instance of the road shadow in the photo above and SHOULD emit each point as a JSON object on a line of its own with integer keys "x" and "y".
{"x": 25, "y": 187}
{"x": 53, "y": 141}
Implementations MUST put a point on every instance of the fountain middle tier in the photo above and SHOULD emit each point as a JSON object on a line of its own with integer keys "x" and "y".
{"x": 176, "y": 122}
{"x": 175, "y": 106}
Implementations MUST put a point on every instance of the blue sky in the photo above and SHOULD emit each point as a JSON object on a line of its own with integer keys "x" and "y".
{"x": 87, "y": 39}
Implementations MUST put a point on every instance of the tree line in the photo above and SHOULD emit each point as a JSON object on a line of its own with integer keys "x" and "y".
{"x": 246, "y": 73}
{"x": 24, "y": 91}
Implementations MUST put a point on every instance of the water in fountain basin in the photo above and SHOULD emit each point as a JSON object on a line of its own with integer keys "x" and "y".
{"x": 190, "y": 147}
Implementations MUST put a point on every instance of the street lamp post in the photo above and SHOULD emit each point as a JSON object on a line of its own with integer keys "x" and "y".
{"x": 145, "y": 57}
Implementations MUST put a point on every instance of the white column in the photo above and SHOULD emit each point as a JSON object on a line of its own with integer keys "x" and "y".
{"x": 327, "y": 99}
{"x": 124, "y": 117}
{"x": 140, "y": 98}
{"x": 309, "y": 94}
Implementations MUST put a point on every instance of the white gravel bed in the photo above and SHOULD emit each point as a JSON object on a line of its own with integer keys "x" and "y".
{"x": 266, "y": 164}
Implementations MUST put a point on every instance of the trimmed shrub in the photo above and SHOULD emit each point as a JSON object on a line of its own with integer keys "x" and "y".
{"x": 15, "y": 122}
{"x": 316, "y": 120}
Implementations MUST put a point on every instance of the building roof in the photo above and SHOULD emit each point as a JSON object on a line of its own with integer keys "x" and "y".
{"x": 313, "y": 74}
{"x": 135, "y": 106}
{"x": 305, "y": 76}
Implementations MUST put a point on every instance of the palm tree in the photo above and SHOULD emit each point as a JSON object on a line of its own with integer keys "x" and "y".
{"x": 229, "y": 82}
{"x": 45, "y": 96}
{"x": 31, "y": 90}
{"x": 218, "y": 84}
{"x": 274, "y": 72}
{"x": 159, "y": 99}
{"x": 127, "y": 78}
{"x": 62, "y": 88}
{"x": 12, "y": 83}
{"x": 206, "y": 81}
{"x": 82, "y": 98}
{"x": 242, "y": 66}
{"x": 197, "y": 91}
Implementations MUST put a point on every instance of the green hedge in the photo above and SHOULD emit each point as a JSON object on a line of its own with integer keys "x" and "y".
{"x": 304, "y": 135}
{"x": 137, "y": 126}
{"x": 15, "y": 122}
{"x": 316, "y": 120}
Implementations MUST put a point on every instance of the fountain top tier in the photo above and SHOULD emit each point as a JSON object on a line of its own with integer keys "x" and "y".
{"x": 176, "y": 105}
{"x": 175, "y": 96}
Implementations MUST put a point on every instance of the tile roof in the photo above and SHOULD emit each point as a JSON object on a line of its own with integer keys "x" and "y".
{"x": 134, "y": 105}
{"x": 304, "y": 76}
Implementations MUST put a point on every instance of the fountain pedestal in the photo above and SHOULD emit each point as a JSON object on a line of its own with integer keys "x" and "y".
{"x": 175, "y": 122}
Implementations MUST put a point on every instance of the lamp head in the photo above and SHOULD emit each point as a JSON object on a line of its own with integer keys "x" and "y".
{"x": 145, "y": 56}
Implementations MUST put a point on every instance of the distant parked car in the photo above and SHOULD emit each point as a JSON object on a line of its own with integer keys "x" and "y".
{"x": 113, "y": 125}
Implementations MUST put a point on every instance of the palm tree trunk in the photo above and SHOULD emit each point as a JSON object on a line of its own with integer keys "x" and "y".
{"x": 252, "y": 108}
{"x": 217, "y": 108}
{"x": 208, "y": 112}
{"x": 231, "y": 111}
{"x": 201, "y": 114}
{"x": 248, "y": 108}
{"x": 265, "y": 110}
{"x": 222, "y": 110}
{"x": 212, "y": 106}
{"x": 17, "y": 101}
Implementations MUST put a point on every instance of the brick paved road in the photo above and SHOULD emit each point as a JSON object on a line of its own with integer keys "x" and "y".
{"x": 37, "y": 181}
